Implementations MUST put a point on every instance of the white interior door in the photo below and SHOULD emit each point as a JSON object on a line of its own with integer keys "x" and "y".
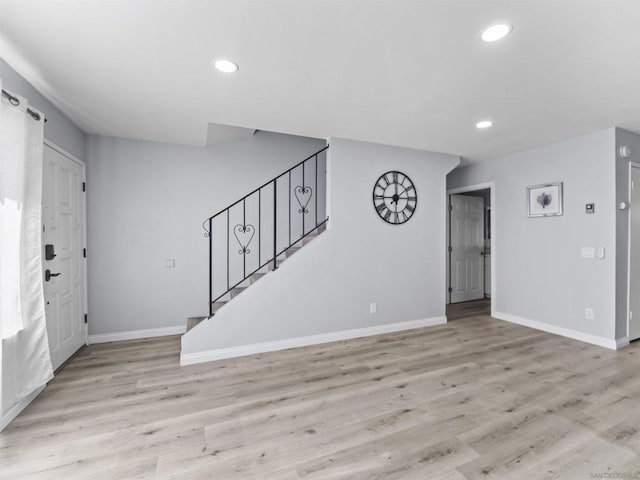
{"x": 634, "y": 264}
{"x": 467, "y": 248}
{"x": 63, "y": 221}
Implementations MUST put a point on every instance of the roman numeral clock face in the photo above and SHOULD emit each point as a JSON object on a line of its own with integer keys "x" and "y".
{"x": 394, "y": 197}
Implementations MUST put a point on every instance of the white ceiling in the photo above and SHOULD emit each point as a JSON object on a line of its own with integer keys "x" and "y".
{"x": 413, "y": 74}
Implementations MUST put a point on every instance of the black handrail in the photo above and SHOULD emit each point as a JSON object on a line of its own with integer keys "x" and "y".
{"x": 244, "y": 232}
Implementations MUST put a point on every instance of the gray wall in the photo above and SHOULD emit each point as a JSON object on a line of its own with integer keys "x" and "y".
{"x": 58, "y": 128}
{"x": 539, "y": 272}
{"x": 328, "y": 285}
{"x": 146, "y": 202}
{"x": 623, "y": 137}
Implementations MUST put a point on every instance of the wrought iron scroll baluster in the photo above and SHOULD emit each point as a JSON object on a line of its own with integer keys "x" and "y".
{"x": 303, "y": 195}
{"x": 244, "y": 234}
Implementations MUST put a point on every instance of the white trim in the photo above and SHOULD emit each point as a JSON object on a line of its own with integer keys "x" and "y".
{"x": 14, "y": 411}
{"x": 471, "y": 188}
{"x": 242, "y": 350}
{"x": 562, "y": 331}
{"x": 630, "y": 199}
{"x": 622, "y": 342}
{"x": 62, "y": 151}
{"x": 328, "y": 185}
{"x": 136, "y": 334}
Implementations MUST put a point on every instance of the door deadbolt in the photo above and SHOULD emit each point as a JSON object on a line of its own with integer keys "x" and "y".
{"x": 49, "y": 253}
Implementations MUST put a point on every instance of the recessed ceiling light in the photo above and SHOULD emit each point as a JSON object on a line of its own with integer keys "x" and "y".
{"x": 225, "y": 66}
{"x": 484, "y": 124}
{"x": 496, "y": 32}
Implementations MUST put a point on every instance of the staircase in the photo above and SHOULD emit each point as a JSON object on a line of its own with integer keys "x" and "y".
{"x": 256, "y": 234}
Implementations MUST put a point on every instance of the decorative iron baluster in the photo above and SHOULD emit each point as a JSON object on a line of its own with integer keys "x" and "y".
{"x": 244, "y": 234}
{"x": 303, "y": 196}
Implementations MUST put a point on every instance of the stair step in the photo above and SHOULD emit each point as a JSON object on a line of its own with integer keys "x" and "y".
{"x": 193, "y": 321}
{"x": 310, "y": 236}
{"x": 308, "y": 239}
{"x": 255, "y": 277}
{"x": 236, "y": 291}
{"x": 250, "y": 280}
{"x": 217, "y": 306}
{"x": 225, "y": 298}
{"x": 291, "y": 250}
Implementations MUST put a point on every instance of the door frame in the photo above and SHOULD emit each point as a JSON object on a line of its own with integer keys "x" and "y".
{"x": 631, "y": 165}
{"x": 472, "y": 188}
{"x": 83, "y": 215}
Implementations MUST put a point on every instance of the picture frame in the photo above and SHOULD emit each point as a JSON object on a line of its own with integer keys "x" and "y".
{"x": 544, "y": 200}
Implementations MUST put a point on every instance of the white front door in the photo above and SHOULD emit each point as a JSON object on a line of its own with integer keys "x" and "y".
{"x": 634, "y": 264}
{"x": 467, "y": 248}
{"x": 63, "y": 220}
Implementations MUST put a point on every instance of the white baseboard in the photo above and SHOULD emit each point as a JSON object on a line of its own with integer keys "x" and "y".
{"x": 136, "y": 334}
{"x": 8, "y": 417}
{"x": 242, "y": 350}
{"x": 562, "y": 331}
{"x": 622, "y": 342}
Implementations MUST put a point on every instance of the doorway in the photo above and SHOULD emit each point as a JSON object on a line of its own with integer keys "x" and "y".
{"x": 470, "y": 255}
{"x": 633, "y": 316}
{"x": 63, "y": 256}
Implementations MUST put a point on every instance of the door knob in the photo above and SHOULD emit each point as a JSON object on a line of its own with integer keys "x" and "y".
{"x": 48, "y": 275}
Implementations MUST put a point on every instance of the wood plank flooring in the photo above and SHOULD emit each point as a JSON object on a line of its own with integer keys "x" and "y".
{"x": 473, "y": 308}
{"x": 477, "y": 398}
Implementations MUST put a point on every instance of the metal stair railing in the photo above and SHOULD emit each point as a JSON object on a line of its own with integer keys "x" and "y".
{"x": 280, "y": 224}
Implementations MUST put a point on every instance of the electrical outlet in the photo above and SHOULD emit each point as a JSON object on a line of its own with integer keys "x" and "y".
{"x": 373, "y": 308}
{"x": 588, "y": 313}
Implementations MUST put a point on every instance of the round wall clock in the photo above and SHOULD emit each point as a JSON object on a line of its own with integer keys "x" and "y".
{"x": 394, "y": 197}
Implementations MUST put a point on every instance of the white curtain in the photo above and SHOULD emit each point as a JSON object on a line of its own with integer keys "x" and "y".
{"x": 25, "y": 363}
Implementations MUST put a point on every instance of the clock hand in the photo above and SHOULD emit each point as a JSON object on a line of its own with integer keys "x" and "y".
{"x": 384, "y": 196}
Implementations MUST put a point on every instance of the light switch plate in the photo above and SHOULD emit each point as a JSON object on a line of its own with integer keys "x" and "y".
{"x": 588, "y": 252}
{"x": 601, "y": 252}
{"x": 169, "y": 263}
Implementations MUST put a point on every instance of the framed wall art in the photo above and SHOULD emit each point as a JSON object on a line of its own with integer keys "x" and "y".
{"x": 545, "y": 200}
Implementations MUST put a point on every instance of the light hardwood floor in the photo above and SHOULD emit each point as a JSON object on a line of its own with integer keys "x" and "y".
{"x": 473, "y": 308}
{"x": 474, "y": 399}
